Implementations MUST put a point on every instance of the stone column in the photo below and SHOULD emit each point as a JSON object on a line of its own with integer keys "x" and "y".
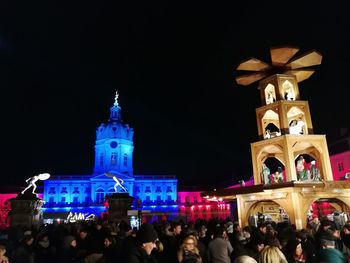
{"x": 118, "y": 206}
{"x": 26, "y": 210}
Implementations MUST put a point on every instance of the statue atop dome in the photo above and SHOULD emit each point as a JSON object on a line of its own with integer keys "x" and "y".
{"x": 116, "y": 99}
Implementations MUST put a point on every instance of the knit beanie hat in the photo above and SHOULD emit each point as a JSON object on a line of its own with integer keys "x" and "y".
{"x": 146, "y": 234}
{"x": 330, "y": 255}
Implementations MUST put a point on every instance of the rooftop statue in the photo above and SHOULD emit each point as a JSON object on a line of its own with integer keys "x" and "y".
{"x": 116, "y": 98}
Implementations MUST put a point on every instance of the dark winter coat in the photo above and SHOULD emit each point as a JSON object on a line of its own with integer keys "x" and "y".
{"x": 139, "y": 255}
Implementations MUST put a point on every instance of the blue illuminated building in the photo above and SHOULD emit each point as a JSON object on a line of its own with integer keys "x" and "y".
{"x": 113, "y": 157}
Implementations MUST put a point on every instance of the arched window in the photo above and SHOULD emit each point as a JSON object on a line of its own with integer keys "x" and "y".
{"x": 113, "y": 159}
{"x": 100, "y": 196}
{"x": 270, "y": 95}
{"x": 288, "y": 89}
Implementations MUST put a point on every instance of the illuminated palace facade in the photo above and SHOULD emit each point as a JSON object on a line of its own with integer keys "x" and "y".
{"x": 113, "y": 158}
{"x": 114, "y": 147}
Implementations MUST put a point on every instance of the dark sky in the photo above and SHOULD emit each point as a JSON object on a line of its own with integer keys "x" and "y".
{"x": 173, "y": 63}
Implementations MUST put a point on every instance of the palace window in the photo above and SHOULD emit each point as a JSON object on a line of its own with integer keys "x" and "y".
{"x": 113, "y": 159}
{"x": 76, "y": 190}
{"x": 137, "y": 190}
{"x": 158, "y": 189}
{"x": 148, "y": 189}
{"x": 52, "y": 190}
{"x": 100, "y": 196}
{"x": 340, "y": 166}
{"x": 168, "y": 189}
{"x": 75, "y": 199}
{"x": 125, "y": 160}
{"x": 64, "y": 190}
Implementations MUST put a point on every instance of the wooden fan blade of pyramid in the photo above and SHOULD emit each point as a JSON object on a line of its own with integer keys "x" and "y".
{"x": 253, "y": 64}
{"x": 310, "y": 59}
{"x": 280, "y": 56}
{"x": 301, "y": 74}
{"x": 246, "y": 80}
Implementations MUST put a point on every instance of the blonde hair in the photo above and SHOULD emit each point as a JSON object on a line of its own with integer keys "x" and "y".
{"x": 244, "y": 259}
{"x": 181, "y": 251}
{"x": 272, "y": 254}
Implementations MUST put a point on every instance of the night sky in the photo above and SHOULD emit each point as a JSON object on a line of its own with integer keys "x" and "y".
{"x": 173, "y": 64}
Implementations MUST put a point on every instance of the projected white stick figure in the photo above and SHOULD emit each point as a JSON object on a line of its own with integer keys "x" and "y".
{"x": 32, "y": 180}
{"x": 118, "y": 182}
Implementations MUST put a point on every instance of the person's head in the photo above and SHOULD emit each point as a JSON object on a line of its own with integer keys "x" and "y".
{"x": 262, "y": 227}
{"x": 98, "y": 225}
{"x": 244, "y": 259}
{"x": 272, "y": 254}
{"x": 166, "y": 227}
{"x": 28, "y": 240}
{"x": 108, "y": 240}
{"x": 301, "y": 235}
{"x": 177, "y": 228}
{"x": 69, "y": 242}
{"x": 273, "y": 241}
{"x": 257, "y": 242}
{"x": 298, "y": 250}
{"x": 218, "y": 231}
{"x": 325, "y": 224}
{"x": 147, "y": 237}
{"x": 189, "y": 243}
{"x": 202, "y": 231}
{"x": 83, "y": 233}
{"x": 237, "y": 227}
{"x": 346, "y": 229}
{"x": 327, "y": 243}
{"x": 329, "y": 255}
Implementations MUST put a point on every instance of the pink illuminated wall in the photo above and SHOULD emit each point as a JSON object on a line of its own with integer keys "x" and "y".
{"x": 5, "y": 208}
{"x": 192, "y": 206}
{"x": 340, "y": 165}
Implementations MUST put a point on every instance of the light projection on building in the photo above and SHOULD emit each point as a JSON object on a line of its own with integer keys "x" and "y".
{"x": 114, "y": 146}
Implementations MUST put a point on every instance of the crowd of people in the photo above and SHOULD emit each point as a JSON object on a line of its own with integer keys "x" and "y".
{"x": 213, "y": 241}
